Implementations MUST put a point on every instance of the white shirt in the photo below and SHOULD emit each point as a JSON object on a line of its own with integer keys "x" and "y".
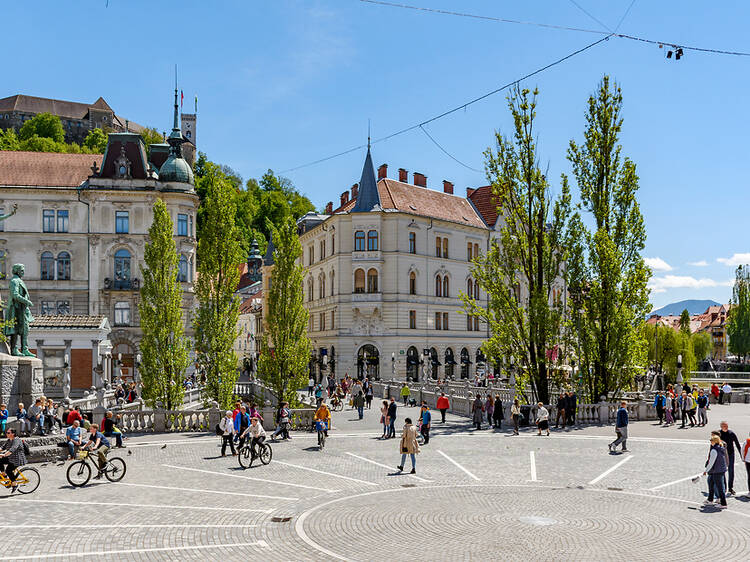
{"x": 726, "y": 388}
{"x": 256, "y": 430}
{"x": 542, "y": 414}
{"x": 227, "y": 425}
{"x": 311, "y": 382}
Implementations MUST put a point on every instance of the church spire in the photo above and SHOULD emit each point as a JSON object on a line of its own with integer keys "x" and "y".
{"x": 367, "y": 197}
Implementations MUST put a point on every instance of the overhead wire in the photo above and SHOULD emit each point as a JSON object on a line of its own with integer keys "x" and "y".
{"x": 448, "y": 154}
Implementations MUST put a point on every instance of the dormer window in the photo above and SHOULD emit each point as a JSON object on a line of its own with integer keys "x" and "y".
{"x": 122, "y": 164}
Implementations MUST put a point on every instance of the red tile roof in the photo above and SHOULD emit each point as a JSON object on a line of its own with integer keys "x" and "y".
{"x": 45, "y": 169}
{"x": 485, "y": 202}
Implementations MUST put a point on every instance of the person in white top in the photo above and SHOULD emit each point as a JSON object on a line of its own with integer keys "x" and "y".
{"x": 226, "y": 425}
{"x": 310, "y": 386}
{"x": 258, "y": 435}
{"x": 727, "y": 390}
{"x": 542, "y": 419}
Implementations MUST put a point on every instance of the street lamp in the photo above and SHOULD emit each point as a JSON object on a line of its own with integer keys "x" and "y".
{"x": 679, "y": 369}
{"x": 512, "y": 379}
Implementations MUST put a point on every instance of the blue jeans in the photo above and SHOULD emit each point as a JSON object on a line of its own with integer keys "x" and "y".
{"x": 116, "y": 434}
{"x": 40, "y": 423}
{"x": 392, "y": 429}
{"x": 716, "y": 487}
{"x": 361, "y": 411}
{"x": 72, "y": 449}
{"x": 413, "y": 460}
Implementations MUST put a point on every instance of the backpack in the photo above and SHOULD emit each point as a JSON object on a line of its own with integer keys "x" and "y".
{"x": 218, "y": 430}
{"x": 26, "y": 449}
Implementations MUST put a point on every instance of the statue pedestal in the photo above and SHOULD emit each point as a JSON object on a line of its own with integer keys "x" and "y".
{"x": 21, "y": 380}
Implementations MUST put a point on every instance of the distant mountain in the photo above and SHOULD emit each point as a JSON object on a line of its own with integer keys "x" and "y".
{"x": 693, "y": 307}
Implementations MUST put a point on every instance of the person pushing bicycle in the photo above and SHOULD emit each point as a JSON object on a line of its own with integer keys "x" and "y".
{"x": 97, "y": 442}
{"x": 323, "y": 414}
{"x": 258, "y": 434}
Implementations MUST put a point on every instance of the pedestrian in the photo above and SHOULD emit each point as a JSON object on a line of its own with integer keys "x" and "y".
{"x": 561, "y": 402}
{"x": 318, "y": 391}
{"x": 3, "y": 418}
{"x": 443, "y": 405}
{"x": 392, "y": 418}
{"x": 359, "y": 403}
{"x": 730, "y": 440}
{"x": 282, "y": 418}
{"x": 405, "y": 393}
{"x": 384, "y": 419}
{"x": 570, "y": 407}
{"x": 621, "y": 429}
{"x": 715, "y": 392}
{"x": 409, "y": 446}
{"x": 426, "y": 421}
{"x": 489, "y": 408}
{"x": 497, "y": 414}
{"x": 668, "y": 409}
{"x": 226, "y": 426}
{"x": 542, "y": 419}
{"x": 369, "y": 396}
{"x": 515, "y": 414}
{"x": 702, "y": 402}
{"x": 746, "y": 459}
{"x": 310, "y": 386}
{"x": 477, "y": 409}
{"x": 686, "y": 403}
{"x": 727, "y": 390}
{"x": 23, "y": 419}
{"x": 660, "y": 403}
{"x": 721, "y": 393}
{"x": 716, "y": 467}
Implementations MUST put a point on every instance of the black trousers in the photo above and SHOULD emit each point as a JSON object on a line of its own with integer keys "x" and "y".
{"x": 227, "y": 439}
{"x": 442, "y": 414}
{"x": 660, "y": 413}
{"x": 8, "y": 467}
{"x": 425, "y": 433}
{"x": 731, "y": 471}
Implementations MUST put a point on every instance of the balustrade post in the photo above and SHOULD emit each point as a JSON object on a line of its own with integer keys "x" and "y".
{"x": 160, "y": 421}
{"x": 603, "y": 410}
{"x": 214, "y": 415}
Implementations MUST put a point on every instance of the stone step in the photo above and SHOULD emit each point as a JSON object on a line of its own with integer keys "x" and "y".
{"x": 47, "y": 453}
{"x": 43, "y": 441}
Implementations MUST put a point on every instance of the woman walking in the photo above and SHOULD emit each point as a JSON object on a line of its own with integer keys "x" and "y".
{"x": 442, "y": 404}
{"x": 497, "y": 414}
{"x": 489, "y": 408}
{"x": 384, "y": 418}
{"x": 477, "y": 409}
{"x": 369, "y": 396}
{"x": 515, "y": 413}
{"x": 542, "y": 419}
{"x": 409, "y": 446}
{"x": 716, "y": 467}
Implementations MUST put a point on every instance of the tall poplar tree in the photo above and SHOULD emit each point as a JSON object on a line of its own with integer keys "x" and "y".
{"x": 738, "y": 322}
{"x": 219, "y": 253}
{"x": 285, "y": 349}
{"x": 607, "y": 276}
{"x": 521, "y": 272}
{"x": 164, "y": 348}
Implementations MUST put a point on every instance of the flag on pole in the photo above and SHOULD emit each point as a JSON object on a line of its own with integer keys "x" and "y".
{"x": 182, "y": 98}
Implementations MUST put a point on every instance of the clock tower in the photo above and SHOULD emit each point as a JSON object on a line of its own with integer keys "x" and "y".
{"x": 188, "y": 133}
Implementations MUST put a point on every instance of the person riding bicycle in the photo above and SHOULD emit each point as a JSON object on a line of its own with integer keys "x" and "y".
{"x": 258, "y": 435}
{"x": 12, "y": 455}
{"x": 323, "y": 414}
{"x": 97, "y": 442}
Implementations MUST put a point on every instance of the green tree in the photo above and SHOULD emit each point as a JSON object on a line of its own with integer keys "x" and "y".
{"x": 520, "y": 272}
{"x": 606, "y": 272}
{"x": 151, "y": 136}
{"x": 9, "y": 140}
{"x": 219, "y": 252}
{"x": 701, "y": 345}
{"x": 738, "y": 320}
{"x": 35, "y": 143}
{"x": 44, "y": 125}
{"x": 685, "y": 322}
{"x": 96, "y": 140}
{"x": 285, "y": 348}
{"x": 164, "y": 347}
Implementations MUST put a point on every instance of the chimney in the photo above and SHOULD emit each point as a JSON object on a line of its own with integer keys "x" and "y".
{"x": 469, "y": 191}
{"x": 344, "y": 198}
{"x": 383, "y": 171}
{"x": 403, "y": 175}
{"x": 355, "y": 190}
{"x": 420, "y": 179}
{"x": 329, "y": 208}
{"x": 447, "y": 187}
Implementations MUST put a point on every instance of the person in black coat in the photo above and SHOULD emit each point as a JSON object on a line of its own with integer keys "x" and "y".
{"x": 392, "y": 418}
{"x": 570, "y": 407}
{"x": 730, "y": 439}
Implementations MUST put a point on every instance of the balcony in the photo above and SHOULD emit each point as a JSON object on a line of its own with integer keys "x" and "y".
{"x": 122, "y": 284}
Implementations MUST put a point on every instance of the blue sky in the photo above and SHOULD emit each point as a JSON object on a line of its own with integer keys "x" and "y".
{"x": 285, "y": 82}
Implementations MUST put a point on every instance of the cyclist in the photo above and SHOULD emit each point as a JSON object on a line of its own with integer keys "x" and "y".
{"x": 258, "y": 435}
{"x": 97, "y": 442}
{"x": 12, "y": 455}
{"x": 323, "y": 414}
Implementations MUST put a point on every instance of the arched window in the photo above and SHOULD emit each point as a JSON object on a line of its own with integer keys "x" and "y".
{"x": 122, "y": 269}
{"x": 309, "y": 289}
{"x": 476, "y": 289}
{"x": 359, "y": 241}
{"x": 438, "y": 247}
{"x": 445, "y": 247}
{"x": 332, "y": 279}
{"x": 412, "y": 283}
{"x": 476, "y": 250}
{"x": 438, "y": 286}
{"x": 446, "y": 288}
{"x": 182, "y": 270}
{"x": 63, "y": 266}
{"x": 359, "y": 281}
{"x": 48, "y": 266}
{"x": 322, "y": 281}
{"x": 468, "y": 251}
{"x": 470, "y": 288}
{"x": 372, "y": 240}
{"x": 372, "y": 281}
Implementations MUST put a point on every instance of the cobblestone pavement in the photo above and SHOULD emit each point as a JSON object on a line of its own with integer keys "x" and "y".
{"x": 476, "y": 494}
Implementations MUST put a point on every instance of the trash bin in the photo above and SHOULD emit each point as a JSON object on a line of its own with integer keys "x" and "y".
{"x": 525, "y": 416}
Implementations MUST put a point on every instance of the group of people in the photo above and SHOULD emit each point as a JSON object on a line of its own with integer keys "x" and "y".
{"x": 690, "y": 404}
{"x": 42, "y": 417}
{"x": 719, "y": 466}
{"x": 246, "y": 421}
{"x": 126, "y": 392}
{"x": 358, "y": 393}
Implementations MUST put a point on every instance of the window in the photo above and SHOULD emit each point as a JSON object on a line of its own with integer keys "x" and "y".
{"x": 48, "y": 308}
{"x": 476, "y": 290}
{"x": 333, "y": 244}
{"x": 438, "y": 286}
{"x": 412, "y": 319}
{"x": 372, "y": 281}
{"x": 438, "y": 320}
{"x": 333, "y": 320}
{"x": 122, "y": 269}
{"x": 48, "y": 266}
{"x": 322, "y": 249}
{"x": 122, "y": 314}
{"x": 412, "y": 242}
{"x": 122, "y": 222}
{"x": 63, "y": 307}
{"x": 468, "y": 251}
{"x": 62, "y": 220}
{"x": 311, "y": 255}
{"x": 476, "y": 323}
{"x": 445, "y": 247}
{"x": 359, "y": 241}
{"x": 322, "y": 288}
{"x": 63, "y": 266}
{"x": 2, "y": 223}
{"x": 359, "y": 281}
{"x": 469, "y": 323}
{"x": 333, "y": 278}
{"x": 309, "y": 289}
{"x": 182, "y": 225}
{"x": 476, "y": 250}
{"x": 412, "y": 283}
{"x": 48, "y": 220}
{"x": 438, "y": 247}
{"x": 446, "y": 291}
{"x": 445, "y": 320}
{"x": 372, "y": 240}
{"x": 469, "y": 288}
{"x": 182, "y": 270}
{"x": 322, "y": 321}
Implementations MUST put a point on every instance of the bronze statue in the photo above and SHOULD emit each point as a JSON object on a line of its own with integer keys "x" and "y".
{"x": 18, "y": 313}
{"x": 13, "y": 212}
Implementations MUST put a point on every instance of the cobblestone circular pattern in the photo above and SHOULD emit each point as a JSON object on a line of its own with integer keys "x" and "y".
{"x": 540, "y": 523}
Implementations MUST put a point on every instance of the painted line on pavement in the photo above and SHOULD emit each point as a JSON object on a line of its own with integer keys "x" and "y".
{"x": 207, "y": 491}
{"x": 262, "y": 544}
{"x": 317, "y": 489}
{"x": 610, "y": 470}
{"x": 326, "y": 473}
{"x": 556, "y": 436}
{"x": 157, "y": 506}
{"x": 386, "y": 466}
{"x": 660, "y": 486}
{"x": 532, "y": 466}
{"x": 127, "y": 526}
{"x": 458, "y": 465}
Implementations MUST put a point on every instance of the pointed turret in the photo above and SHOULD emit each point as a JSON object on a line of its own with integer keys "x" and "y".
{"x": 268, "y": 259}
{"x": 175, "y": 168}
{"x": 368, "y": 197}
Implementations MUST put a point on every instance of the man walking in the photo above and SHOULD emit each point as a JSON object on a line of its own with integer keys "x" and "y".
{"x": 702, "y": 408}
{"x": 660, "y": 403}
{"x": 730, "y": 440}
{"x": 727, "y": 390}
{"x": 570, "y": 407}
{"x": 426, "y": 420}
{"x": 392, "y": 418}
{"x": 561, "y": 404}
{"x": 621, "y": 429}
{"x": 686, "y": 404}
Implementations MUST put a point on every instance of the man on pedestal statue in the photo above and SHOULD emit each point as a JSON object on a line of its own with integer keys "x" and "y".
{"x": 18, "y": 313}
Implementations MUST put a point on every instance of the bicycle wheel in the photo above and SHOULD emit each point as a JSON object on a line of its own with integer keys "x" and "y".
{"x": 115, "y": 469}
{"x": 265, "y": 453}
{"x": 321, "y": 440}
{"x": 245, "y": 457}
{"x": 79, "y": 473}
{"x": 28, "y": 479}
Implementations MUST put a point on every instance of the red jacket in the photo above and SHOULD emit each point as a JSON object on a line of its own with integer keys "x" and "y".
{"x": 72, "y": 416}
{"x": 442, "y": 403}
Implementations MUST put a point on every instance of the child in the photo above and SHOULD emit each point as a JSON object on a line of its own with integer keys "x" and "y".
{"x": 3, "y": 418}
{"x": 23, "y": 420}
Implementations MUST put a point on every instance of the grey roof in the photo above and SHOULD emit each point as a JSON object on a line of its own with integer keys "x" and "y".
{"x": 268, "y": 259}
{"x": 69, "y": 322}
{"x": 367, "y": 197}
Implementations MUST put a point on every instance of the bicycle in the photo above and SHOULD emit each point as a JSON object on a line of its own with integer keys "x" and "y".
{"x": 27, "y": 480}
{"x": 79, "y": 472}
{"x": 321, "y": 426}
{"x": 245, "y": 455}
{"x": 337, "y": 405}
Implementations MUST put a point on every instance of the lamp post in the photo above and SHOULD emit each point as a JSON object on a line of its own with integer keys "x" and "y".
{"x": 137, "y": 374}
{"x": 512, "y": 378}
{"x": 679, "y": 369}
{"x": 425, "y": 355}
{"x": 66, "y": 378}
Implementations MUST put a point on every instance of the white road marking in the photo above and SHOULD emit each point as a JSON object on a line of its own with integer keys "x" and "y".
{"x": 157, "y": 506}
{"x": 611, "y": 469}
{"x": 261, "y": 544}
{"x": 207, "y": 491}
{"x": 317, "y": 489}
{"x": 532, "y": 467}
{"x": 458, "y": 465}
{"x": 127, "y": 526}
{"x": 385, "y": 466}
{"x": 326, "y": 473}
{"x": 660, "y": 486}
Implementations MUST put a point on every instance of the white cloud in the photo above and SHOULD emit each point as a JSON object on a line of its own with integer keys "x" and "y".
{"x": 657, "y": 264}
{"x": 701, "y": 263}
{"x": 661, "y": 284}
{"x": 735, "y": 260}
